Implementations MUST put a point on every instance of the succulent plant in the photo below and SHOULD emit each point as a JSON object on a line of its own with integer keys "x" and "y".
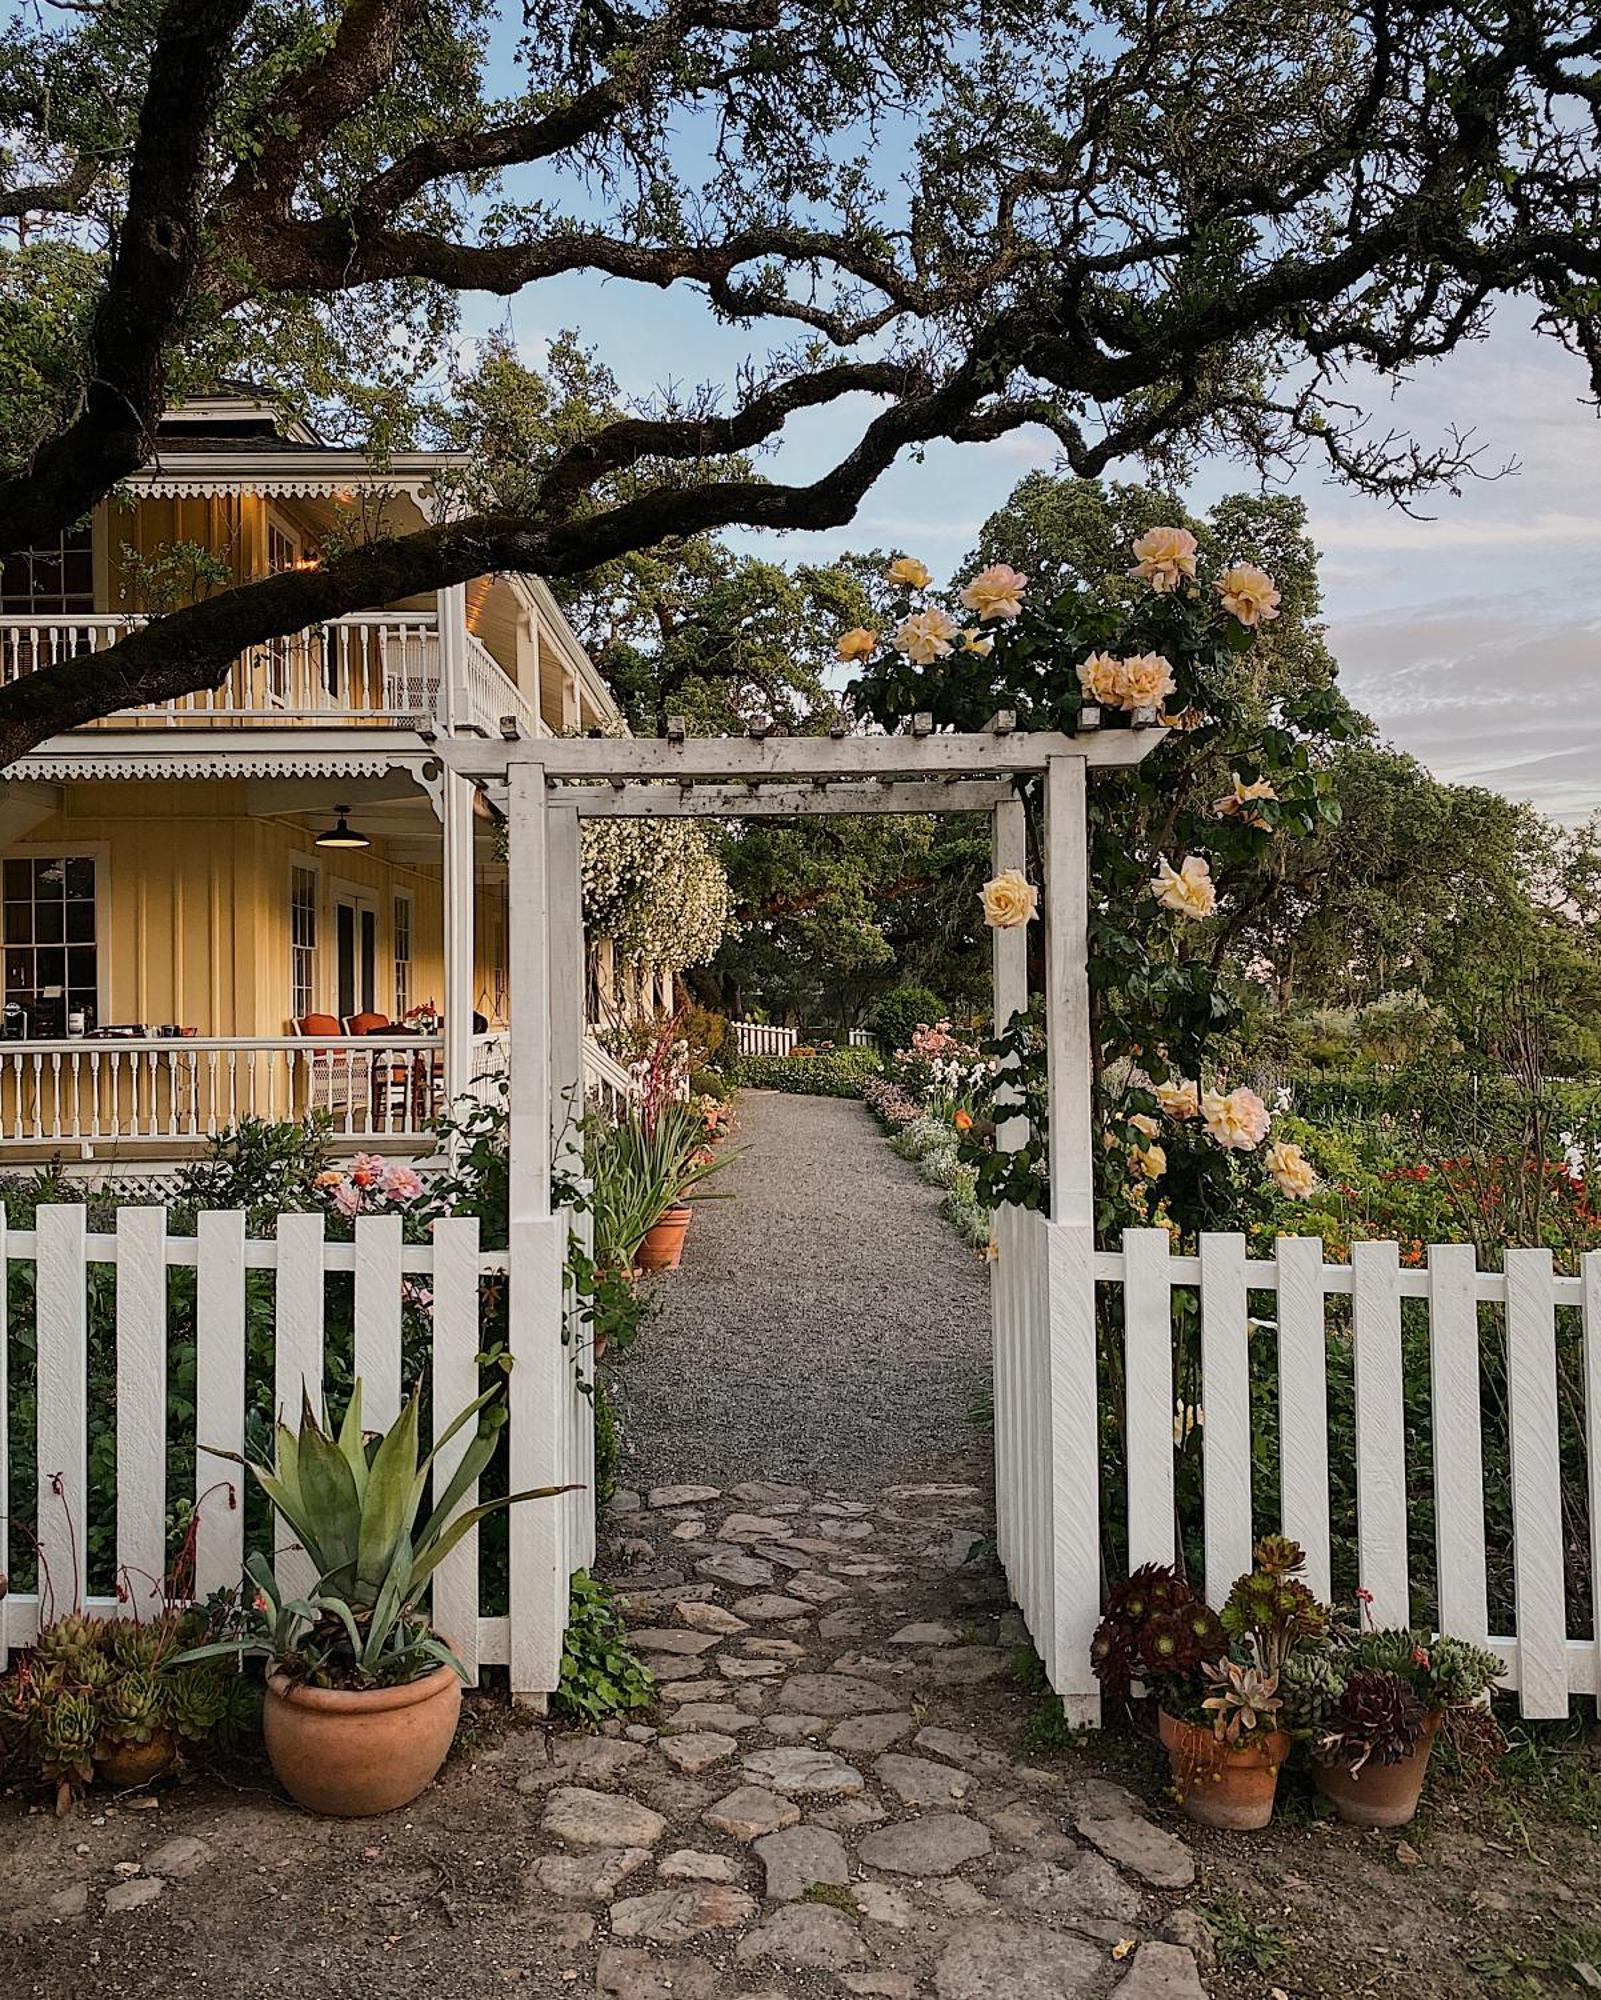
{"x": 1310, "y": 1684}
{"x": 1272, "y": 1608}
{"x": 1378, "y": 1719}
{"x": 197, "y": 1701}
{"x": 1240, "y": 1698}
{"x": 133, "y": 1709}
{"x": 64, "y": 1729}
{"x": 68, "y": 1640}
{"x": 141, "y": 1643}
{"x": 1443, "y": 1672}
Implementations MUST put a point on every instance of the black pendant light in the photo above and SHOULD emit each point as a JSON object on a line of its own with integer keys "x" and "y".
{"x": 342, "y": 834}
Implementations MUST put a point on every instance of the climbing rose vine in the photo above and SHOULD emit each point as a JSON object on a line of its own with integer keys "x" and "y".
{"x": 1179, "y": 845}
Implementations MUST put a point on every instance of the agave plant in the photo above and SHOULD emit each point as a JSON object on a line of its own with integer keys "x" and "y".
{"x": 353, "y": 1501}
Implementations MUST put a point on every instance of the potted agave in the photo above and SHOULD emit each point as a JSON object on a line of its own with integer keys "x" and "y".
{"x": 362, "y": 1696}
{"x": 1214, "y": 1676}
{"x": 1371, "y": 1707}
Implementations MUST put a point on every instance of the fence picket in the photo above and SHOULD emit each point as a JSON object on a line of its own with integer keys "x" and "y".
{"x": 1458, "y": 1443}
{"x": 1380, "y": 1431}
{"x": 61, "y": 1321}
{"x": 1069, "y": 1470}
{"x": 1148, "y": 1394}
{"x": 220, "y": 1300}
{"x": 142, "y": 1405}
{"x": 455, "y": 1385}
{"x": 1304, "y": 1405}
{"x": 1539, "y": 1582}
{"x": 378, "y": 1316}
{"x": 297, "y": 1363}
{"x": 1226, "y": 1401}
{"x": 1590, "y": 1281}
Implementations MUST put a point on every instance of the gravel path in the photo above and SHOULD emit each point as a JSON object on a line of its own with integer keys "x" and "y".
{"x": 826, "y": 1324}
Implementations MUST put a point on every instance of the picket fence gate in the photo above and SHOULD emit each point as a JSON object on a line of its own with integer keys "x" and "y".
{"x": 761, "y": 1038}
{"x": 1046, "y": 1278}
{"x": 549, "y": 1442}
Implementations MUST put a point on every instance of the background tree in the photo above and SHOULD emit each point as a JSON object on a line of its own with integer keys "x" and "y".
{"x": 1151, "y": 233}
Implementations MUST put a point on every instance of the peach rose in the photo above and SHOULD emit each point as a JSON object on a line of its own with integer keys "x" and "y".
{"x": 1151, "y": 1161}
{"x": 973, "y": 641}
{"x": 1289, "y": 1169}
{"x": 1142, "y": 1121}
{"x": 908, "y": 570}
{"x": 1184, "y": 719}
{"x": 925, "y": 637}
{"x": 1187, "y": 888}
{"x": 996, "y": 592}
{"x": 1101, "y": 678}
{"x": 1238, "y": 801}
{"x": 1179, "y": 1100}
{"x": 1009, "y": 899}
{"x": 1165, "y": 557}
{"x": 1238, "y": 1121}
{"x": 1249, "y": 593}
{"x": 1146, "y": 680}
{"x": 858, "y": 643}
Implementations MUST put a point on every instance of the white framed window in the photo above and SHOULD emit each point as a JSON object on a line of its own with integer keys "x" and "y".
{"x": 402, "y": 943}
{"x": 303, "y": 887}
{"x": 283, "y": 554}
{"x": 54, "y": 580}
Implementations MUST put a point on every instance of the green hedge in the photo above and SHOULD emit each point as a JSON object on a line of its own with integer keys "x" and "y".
{"x": 839, "y": 1073}
{"x": 1439, "y": 1101}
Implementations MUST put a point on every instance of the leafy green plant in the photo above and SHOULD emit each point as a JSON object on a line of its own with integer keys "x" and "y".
{"x": 353, "y": 1501}
{"x": 264, "y": 1167}
{"x": 639, "y": 1167}
{"x": 601, "y": 1674}
{"x": 834, "y": 1073}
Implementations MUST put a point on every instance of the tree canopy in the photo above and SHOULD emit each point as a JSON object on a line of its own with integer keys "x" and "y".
{"x": 1151, "y": 232}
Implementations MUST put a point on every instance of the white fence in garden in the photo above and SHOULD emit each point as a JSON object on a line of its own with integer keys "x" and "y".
{"x": 759, "y": 1038}
{"x": 863, "y": 1038}
{"x": 550, "y": 1436}
{"x": 1048, "y": 1429}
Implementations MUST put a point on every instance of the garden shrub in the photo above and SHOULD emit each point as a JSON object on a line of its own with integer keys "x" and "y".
{"x": 708, "y": 1081}
{"x": 898, "y": 1013}
{"x": 601, "y": 1674}
{"x": 925, "y": 1135}
{"x": 834, "y": 1073}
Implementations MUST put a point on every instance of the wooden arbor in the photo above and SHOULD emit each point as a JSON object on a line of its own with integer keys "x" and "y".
{"x": 1045, "y": 1383}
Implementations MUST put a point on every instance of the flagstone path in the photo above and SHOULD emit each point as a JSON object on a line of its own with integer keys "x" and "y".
{"x": 832, "y": 1800}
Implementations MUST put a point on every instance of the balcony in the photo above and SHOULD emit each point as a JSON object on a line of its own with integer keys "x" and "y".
{"x": 375, "y": 669}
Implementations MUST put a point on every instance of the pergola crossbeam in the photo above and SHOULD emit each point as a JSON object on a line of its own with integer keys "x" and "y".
{"x": 755, "y": 799}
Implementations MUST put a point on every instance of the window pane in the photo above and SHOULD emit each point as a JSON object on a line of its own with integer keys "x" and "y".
{"x": 81, "y": 879}
{"x": 19, "y": 881}
{"x": 49, "y": 922}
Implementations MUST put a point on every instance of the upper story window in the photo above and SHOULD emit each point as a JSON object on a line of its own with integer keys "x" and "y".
{"x": 55, "y": 581}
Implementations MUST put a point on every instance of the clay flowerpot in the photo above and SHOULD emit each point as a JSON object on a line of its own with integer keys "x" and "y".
{"x": 1224, "y": 1784}
{"x": 125, "y": 1765}
{"x": 663, "y": 1247}
{"x": 1379, "y": 1794}
{"x": 351, "y": 1752}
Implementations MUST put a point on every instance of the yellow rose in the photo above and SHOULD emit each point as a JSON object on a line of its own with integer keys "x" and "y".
{"x": 1179, "y": 1100}
{"x": 974, "y": 642}
{"x": 1009, "y": 899}
{"x": 1165, "y": 557}
{"x": 1187, "y": 888}
{"x": 908, "y": 570}
{"x": 1146, "y": 679}
{"x": 996, "y": 592}
{"x": 1101, "y": 678}
{"x": 925, "y": 637}
{"x": 1184, "y": 719}
{"x": 1142, "y": 1121}
{"x": 1151, "y": 1161}
{"x": 1239, "y": 800}
{"x": 1249, "y": 593}
{"x": 1290, "y": 1170}
{"x": 1238, "y": 1121}
{"x": 858, "y": 643}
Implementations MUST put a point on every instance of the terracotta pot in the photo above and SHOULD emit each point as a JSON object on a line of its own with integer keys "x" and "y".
{"x": 351, "y": 1752}
{"x": 1221, "y": 1784}
{"x": 1379, "y": 1794}
{"x": 663, "y": 1247}
{"x": 127, "y": 1764}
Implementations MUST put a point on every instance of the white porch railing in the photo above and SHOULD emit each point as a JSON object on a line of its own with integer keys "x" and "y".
{"x": 759, "y": 1038}
{"x": 374, "y": 667}
{"x": 1047, "y": 1280}
{"x": 170, "y": 1090}
{"x": 607, "y": 1083}
{"x": 74, "y": 1323}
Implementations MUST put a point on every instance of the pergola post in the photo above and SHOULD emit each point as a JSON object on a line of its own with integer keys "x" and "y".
{"x": 1070, "y": 1242}
{"x": 566, "y": 989}
{"x": 1009, "y": 982}
{"x": 459, "y": 938}
{"x": 538, "y": 1530}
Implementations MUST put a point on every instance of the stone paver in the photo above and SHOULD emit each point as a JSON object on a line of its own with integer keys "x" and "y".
{"x": 804, "y": 1773}
{"x": 934, "y": 1844}
{"x": 919, "y": 1781}
{"x": 751, "y": 1811}
{"x": 809, "y": 1935}
{"x": 800, "y": 1856}
{"x": 993, "y": 1959}
{"x": 586, "y": 1818}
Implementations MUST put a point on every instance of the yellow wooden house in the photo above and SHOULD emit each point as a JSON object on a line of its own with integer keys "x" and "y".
{"x": 268, "y": 898}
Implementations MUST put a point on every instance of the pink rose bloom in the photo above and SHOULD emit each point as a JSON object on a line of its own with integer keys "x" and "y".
{"x": 347, "y": 1198}
{"x": 403, "y": 1182}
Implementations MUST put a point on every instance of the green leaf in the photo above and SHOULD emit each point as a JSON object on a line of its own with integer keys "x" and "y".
{"x": 390, "y": 1502}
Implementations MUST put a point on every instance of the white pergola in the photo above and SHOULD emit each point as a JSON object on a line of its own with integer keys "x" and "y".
{"x": 1045, "y": 1382}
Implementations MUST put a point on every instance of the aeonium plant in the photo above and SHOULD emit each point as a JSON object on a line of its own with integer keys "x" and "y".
{"x": 1181, "y": 843}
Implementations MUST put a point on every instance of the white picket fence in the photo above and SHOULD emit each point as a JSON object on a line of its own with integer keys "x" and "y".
{"x": 760, "y": 1038}
{"x": 1047, "y": 1430}
{"x": 550, "y": 1438}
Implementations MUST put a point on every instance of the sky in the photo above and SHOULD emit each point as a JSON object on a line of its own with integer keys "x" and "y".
{"x": 1472, "y": 637}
